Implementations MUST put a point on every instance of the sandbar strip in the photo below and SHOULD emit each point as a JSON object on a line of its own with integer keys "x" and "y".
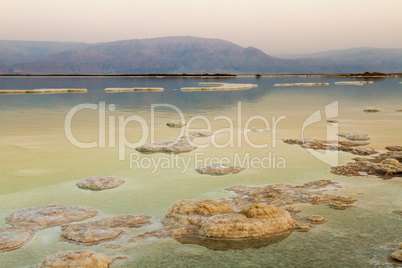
{"x": 43, "y": 91}
{"x": 134, "y": 89}
{"x": 223, "y": 87}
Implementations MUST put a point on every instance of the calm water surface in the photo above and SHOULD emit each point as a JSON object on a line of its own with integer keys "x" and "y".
{"x": 39, "y": 165}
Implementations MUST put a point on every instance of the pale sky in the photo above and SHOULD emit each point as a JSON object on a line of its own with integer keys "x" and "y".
{"x": 274, "y": 26}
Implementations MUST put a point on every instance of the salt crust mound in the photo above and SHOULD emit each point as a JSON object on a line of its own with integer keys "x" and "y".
{"x": 181, "y": 145}
{"x": 219, "y": 220}
{"x": 346, "y": 146}
{"x": 80, "y": 258}
{"x": 54, "y": 214}
{"x": 134, "y": 89}
{"x": 219, "y": 87}
{"x": 200, "y": 134}
{"x": 371, "y": 110}
{"x": 100, "y": 183}
{"x": 14, "y": 237}
{"x": 247, "y": 217}
{"x": 395, "y": 148}
{"x": 176, "y": 123}
{"x": 385, "y": 165}
{"x": 397, "y": 255}
{"x": 219, "y": 169}
{"x": 102, "y": 230}
{"x": 354, "y": 135}
{"x": 43, "y": 91}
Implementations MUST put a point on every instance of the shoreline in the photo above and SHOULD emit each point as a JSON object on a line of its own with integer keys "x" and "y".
{"x": 393, "y": 75}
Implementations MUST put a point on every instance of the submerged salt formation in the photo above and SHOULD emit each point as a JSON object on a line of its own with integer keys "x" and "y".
{"x": 345, "y": 146}
{"x": 219, "y": 87}
{"x": 14, "y": 237}
{"x": 385, "y": 165}
{"x": 43, "y": 91}
{"x": 134, "y": 89}
{"x": 176, "y": 123}
{"x": 371, "y": 110}
{"x": 257, "y": 130}
{"x": 301, "y": 84}
{"x": 79, "y": 258}
{"x": 219, "y": 169}
{"x": 54, "y": 214}
{"x": 102, "y": 230}
{"x": 100, "y": 183}
{"x": 354, "y": 135}
{"x": 181, "y": 145}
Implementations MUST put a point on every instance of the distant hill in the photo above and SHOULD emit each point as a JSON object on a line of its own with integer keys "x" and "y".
{"x": 183, "y": 54}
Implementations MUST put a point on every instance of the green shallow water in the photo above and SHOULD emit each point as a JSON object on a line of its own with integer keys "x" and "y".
{"x": 38, "y": 166}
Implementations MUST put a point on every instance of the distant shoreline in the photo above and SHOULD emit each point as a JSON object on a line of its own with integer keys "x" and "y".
{"x": 365, "y": 75}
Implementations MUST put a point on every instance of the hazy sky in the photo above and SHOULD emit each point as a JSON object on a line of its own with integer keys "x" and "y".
{"x": 275, "y": 26}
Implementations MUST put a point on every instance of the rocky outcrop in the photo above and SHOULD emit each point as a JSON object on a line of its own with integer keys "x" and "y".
{"x": 100, "y": 183}
{"x": 80, "y": 258}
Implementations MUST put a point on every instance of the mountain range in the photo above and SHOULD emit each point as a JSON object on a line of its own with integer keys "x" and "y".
{"x": 184, "y": 54}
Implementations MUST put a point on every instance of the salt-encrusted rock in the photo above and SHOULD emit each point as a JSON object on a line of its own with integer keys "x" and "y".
{"x": 80, "y": 258}
{"x": 353, "y": 143}
{"x": 102, "y": 230}
{"x": 354, "y": 135}
{"x": 200, "y": 134}
{"x": 89, "y": 233}
{"x": 238, "y": 225}
{"x": 54, "y": 214}
{"x": 190, "y": 212}
{"x": 371, "y": 110}
{"x": 316, "y": 218}
{"x": 176, "y": 123}
{"x": 14, "y": 237}
{"x": 386, "y": 165}
{"x": 397, "y": 255}
{"x": 394, "y": 148}
{"x": 100, "y": 183}
{"x": 181, "y": 145}
{"x": 219, "y": 169}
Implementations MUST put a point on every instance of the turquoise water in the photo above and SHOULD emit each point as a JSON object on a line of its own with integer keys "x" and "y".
{"x": 39, "y": 165}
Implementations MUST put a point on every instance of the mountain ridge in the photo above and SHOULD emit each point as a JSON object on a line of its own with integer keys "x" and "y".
{"x": 182, "y": 54}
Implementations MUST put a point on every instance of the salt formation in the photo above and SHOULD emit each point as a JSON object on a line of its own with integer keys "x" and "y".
{"x": 346, "y": 146}
{"x": 43, "y": 91}
{"x": 301, "y": 84}
{"x": 332, "y": 121}
{"x": 385, "y": 165}
{"x": 54, "y": 214}
{"x": 397, "y": 254}
{"x": 219, "y": 87}
{"x": 371, "y": 110}
{"x": 316, "y": 218}
{"x": 134, "y": 89}
{"x": 200, "y": 134}
{"x": 181, "y": 145}
{"x": 354, "y": 135}
{"x": 102, "y": 230}
{"x": 247, "y": 217}
{"x": 356, "y": 83}
{"x": 100, "y": 183}
{"x": 256, "y": 130}
{"x": 14, "y": 237}
{"x": 394, "y": 148}
{"x": 219, "y": 169}
{"x": 176, "y": 123}
{"x": 80, "y": 258}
